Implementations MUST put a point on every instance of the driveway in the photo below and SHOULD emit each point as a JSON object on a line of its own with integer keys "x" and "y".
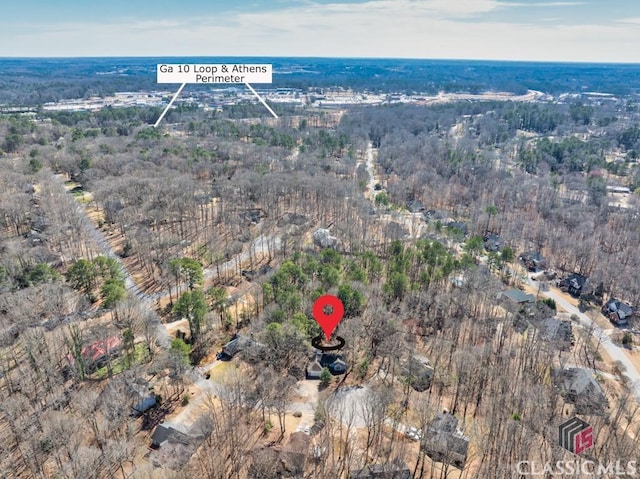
{"x": 614, "y": 351}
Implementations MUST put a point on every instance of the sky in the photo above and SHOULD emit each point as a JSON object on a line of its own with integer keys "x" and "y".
{"x": 541, "y": 30}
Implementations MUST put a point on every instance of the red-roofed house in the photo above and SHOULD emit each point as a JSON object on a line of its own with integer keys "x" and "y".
{"x": 98, "y": 350}
{"x": 95, "y": 353}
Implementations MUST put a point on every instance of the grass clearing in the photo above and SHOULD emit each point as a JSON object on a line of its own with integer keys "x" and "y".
{"x": 124, "y": 361}
{"x": 221, "y": 371}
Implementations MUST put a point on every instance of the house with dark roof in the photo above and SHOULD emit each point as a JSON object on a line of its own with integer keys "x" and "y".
{"x": 165, "y": 433}
{"x": 397, "y": 469}
{"x": 172, "y": 448}
{"x": 533, "y": 261}
{"x": 579, "y": 387}
{"x": 573, "y": 284}
{"x": 618, "y": 312}
{"x": 459, "y": 227}
{"x": 288, "y": 461}
{"x": 334, "y": 362}
{"x": 418, "y": 373}
{"x": 338, "y": 367}
{"x": 415, "y": 206}
{"x": 492, "y": 242}
{"x": 251, "y": 274}
{"x": 445, "y": 442}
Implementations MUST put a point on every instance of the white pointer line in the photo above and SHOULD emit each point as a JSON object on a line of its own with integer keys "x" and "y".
{"x": 261, "y": 100}
{"x": 169, "y": 105}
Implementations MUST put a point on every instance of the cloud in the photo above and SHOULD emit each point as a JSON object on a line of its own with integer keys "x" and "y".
{"x": 630, "y": 20}
{"x": 544, "y": 4}
{"x": 377, "y": 28}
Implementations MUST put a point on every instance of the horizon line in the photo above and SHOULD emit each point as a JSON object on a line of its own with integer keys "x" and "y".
{"x": 415, "y": 59}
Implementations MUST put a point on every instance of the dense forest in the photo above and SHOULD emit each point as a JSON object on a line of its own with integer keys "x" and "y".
{"x": 131, "y": 256}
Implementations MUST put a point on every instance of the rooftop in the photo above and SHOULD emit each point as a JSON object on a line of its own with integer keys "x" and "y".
{"x": 518, "y": 296}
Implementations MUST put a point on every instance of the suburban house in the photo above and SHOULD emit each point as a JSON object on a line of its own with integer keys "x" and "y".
{"x": 617, "y": 311}
{"x": 286, "y": 462}
{"x": 573, "y": 284}
{"x": 517, "y": 296}
{"x": 171, "y": 448}
{"x": 250, "y": 274}
{"x": 458, "y": 226}
{"x": 415, "y": 206}
{"x": 580, "y": 388}
{"x": 334, "y": 362}
{"x": 492, "y": 242}
{"x": 293, "y": 456}
{"x": 252, "y": 215}
{"x": 99, "y": 351}
{"x": 165, "y": 433}
{"x": 444, "y": 441}
{"x": 96, "y": 354}
{"x": 144, "y": 403}
{"x": 238, "y": 344}
{"x": 533, "y": 261}
{"x": 314, "y": 370}
{"x": 418, "y": 372}
{"x": 322, "y": 238}
{"x": 430, "y": 215}
{"x": 556, "y": 331}
{"x": 397, "y": 469}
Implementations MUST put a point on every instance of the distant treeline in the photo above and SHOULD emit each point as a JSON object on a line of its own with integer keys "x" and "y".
{"x": 36, "y": 81}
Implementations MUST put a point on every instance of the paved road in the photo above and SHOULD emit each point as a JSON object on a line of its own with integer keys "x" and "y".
{"x": 162, "y": 337}
{"x": 259, "y": 246}
{"x": 412, "y": 222}
{"x": 613, "y": 350}
{"x": 371, "y": 184}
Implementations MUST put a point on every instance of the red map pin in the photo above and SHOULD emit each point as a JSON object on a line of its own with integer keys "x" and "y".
{"x": 328, "y": 321}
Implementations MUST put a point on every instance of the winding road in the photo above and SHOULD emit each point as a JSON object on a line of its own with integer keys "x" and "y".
{"x": 613, "y": 350}
{"x": 86, "y": 223}
{"x": 260, "y": 245}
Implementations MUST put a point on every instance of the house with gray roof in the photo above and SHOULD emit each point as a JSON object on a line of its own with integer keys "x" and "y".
{"x": 492, "y": 242}
{"x": 165, "y": 433}
{"x": 239, "y": 344}
{"x": 445, "y": 442}
{"x": 418, "y": 373}
{"x": 397, "y": 469}
{"x": 579, "y": 387}
{"x": 533, "y": 261}
{"x": 322, "y": 238}
{"x": 556, "y": 331}
{"x": 314, "y": 370}
{"x": 617, "y": 312}
{"x": 517, "y": 296}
